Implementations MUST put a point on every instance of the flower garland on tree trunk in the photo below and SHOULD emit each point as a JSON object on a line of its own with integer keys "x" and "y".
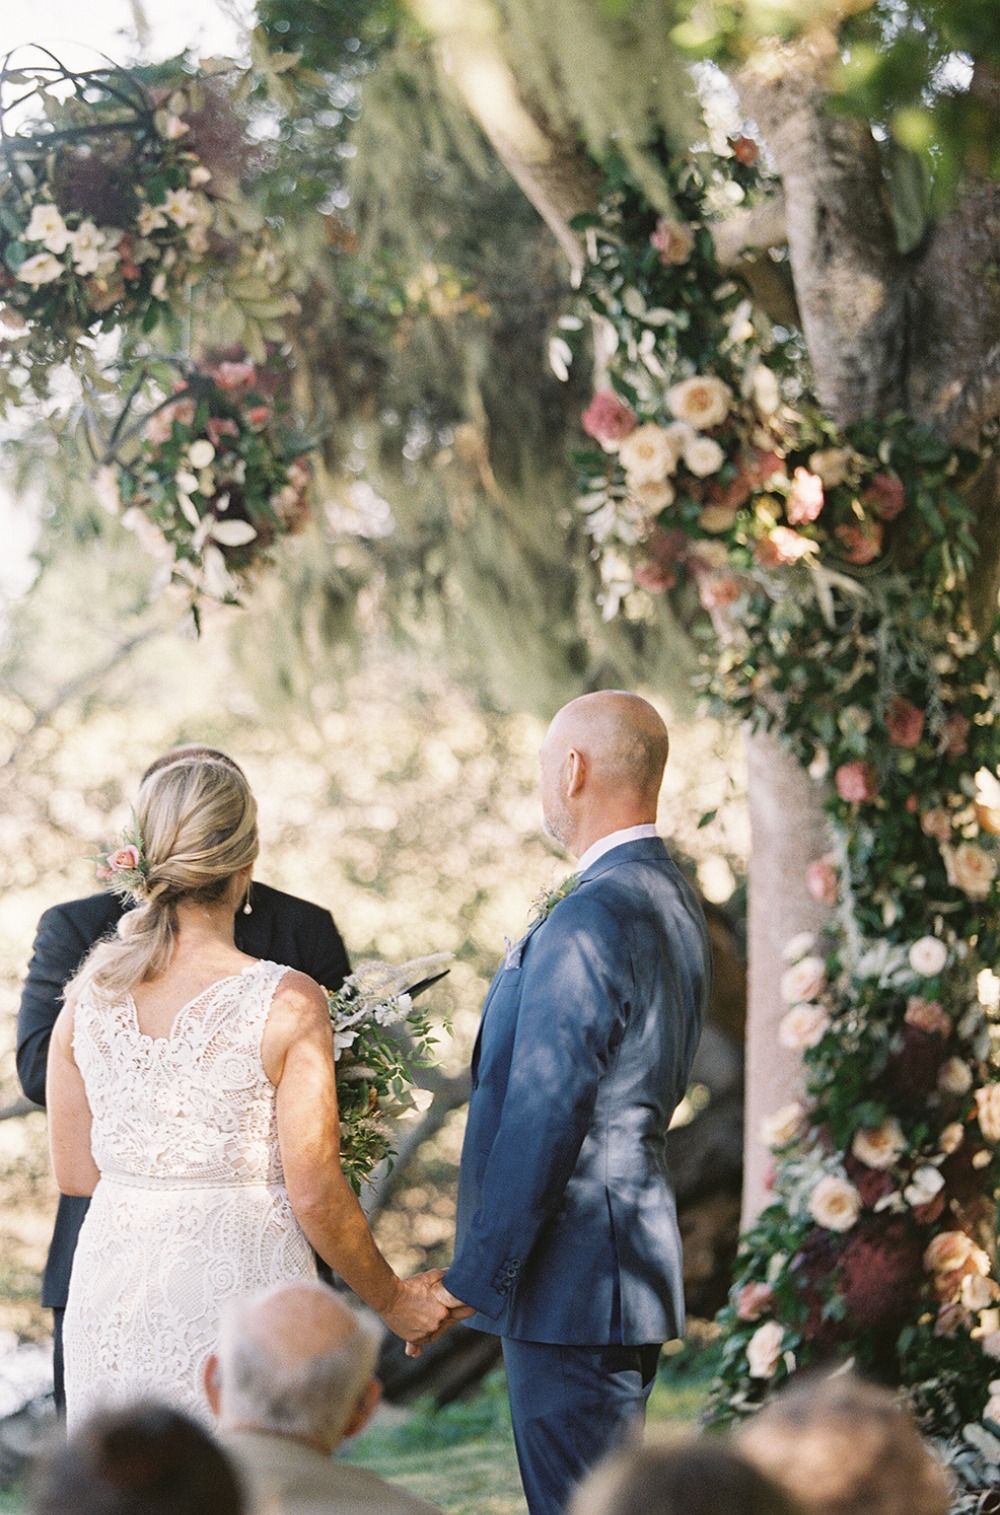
{"x": 829, "y": 573}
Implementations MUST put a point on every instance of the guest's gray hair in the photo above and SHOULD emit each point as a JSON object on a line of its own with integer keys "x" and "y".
{"x": 314, "y": 1397}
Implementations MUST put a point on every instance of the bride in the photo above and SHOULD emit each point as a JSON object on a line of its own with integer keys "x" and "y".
{"x": 191, "y": 1091}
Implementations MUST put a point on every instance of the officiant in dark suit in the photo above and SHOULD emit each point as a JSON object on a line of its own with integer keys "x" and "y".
{"x": 272, "y": 925}
{"x": 567, "y": 1244}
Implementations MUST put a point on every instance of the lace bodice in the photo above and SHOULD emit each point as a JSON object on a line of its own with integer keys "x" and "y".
{"x": 195, "y": 1105}
{"x": 191, "y": 1208}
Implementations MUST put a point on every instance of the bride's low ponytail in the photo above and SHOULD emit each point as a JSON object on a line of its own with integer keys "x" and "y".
{"x": 195, "y": 829}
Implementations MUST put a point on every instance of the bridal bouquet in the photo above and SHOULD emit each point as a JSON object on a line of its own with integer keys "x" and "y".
{"x": 380, "y": 1041}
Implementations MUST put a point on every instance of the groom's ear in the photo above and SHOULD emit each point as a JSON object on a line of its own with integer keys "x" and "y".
{"x": 574, "y": 772}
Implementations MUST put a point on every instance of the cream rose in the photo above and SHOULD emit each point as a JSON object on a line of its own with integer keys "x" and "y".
{"x": 764, "y": 1349}
{"x": 783, "y": 1126}
{"x": 970, "y": 869}
{"x": 924, "y": 1186}
{"x": 803, "y": 1026}
{"x": 653, "y": 497}
{"x": 879, "y": 1146}
{"x": 988, "y": 1112}
{"x": 766, "y": 389}
{"x": 978, "y": 1293}
{"x": 804, "y": 980}
{"x": 928, "y": 956}
{"x": 647, "y": 455}
{"x": 798, "y": 946}
{"x": 703, "y": 401}
{"x": 835, "y": 1203}
{"x": 954, "y": 1076}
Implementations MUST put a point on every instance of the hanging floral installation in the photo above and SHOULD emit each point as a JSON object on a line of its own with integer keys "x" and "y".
{"x": 122, "y": 223}
{"x": 829, "y": 575}
{"x": 208, "y": 477}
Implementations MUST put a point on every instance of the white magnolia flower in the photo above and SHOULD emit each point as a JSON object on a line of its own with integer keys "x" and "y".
{"x": 43, "y": 268}
{"x": 835, "y": 1203}
{"x": 48, "y": 227}
{"x": 201, "y": 453}
{"x": 150, "y": 218}
{"x": 923, "y": 1186}
{"x": 87, "y": 246}
{"x": 764, "y": 1349}
{"x": 879, "y": 1146}
{"x": 928, "y": 956}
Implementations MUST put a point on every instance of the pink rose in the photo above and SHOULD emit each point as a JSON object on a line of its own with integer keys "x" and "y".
{"x": 805, "y": 500}
{"x": 821, "y": 879}
{"x": 753, "y": 1300}
{"x": 782, "y": 546}
{"x": 608, "y": 419}
{"x": 234, "y": 375}
{"x": 258, "y": 415}
{"x": 886, "y": 496}
{"x": 927, "y": 1015}
{"x": 936, "y": 823}
{"x": 654, "y": 577}
{"x": 862, "y": 541}
{"x": 718, "y": 590}
{"x": 123, "y": 858}
{"x": 745, "y": 150}
{"x": 904, "y": 723}
{"x": 956, "y": 730}
{"x": 674, "y": 241}
{"x": 219, "y": 427}
{"x": 856, "y": 782}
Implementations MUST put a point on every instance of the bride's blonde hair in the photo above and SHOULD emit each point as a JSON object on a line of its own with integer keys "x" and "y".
{"x": 198, "y": 824}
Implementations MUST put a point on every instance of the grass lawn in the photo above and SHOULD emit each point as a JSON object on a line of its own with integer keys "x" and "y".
{"x": 462, "y": 1457}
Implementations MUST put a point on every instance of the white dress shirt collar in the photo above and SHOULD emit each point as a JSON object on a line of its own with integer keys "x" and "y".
{"x": 613, "y": 839}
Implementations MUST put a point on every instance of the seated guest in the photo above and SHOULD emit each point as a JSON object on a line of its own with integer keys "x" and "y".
{"x": 291, "y": 1381}
{"x": 844, "y": 1447}
{"x": 145, "y": 1460}
{"x": 690, "y": 1476}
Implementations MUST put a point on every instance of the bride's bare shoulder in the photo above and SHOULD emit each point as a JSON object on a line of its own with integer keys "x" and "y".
{"x": 299, "y": 998}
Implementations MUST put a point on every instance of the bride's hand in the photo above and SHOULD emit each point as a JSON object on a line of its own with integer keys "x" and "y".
{"x": 416, "y": 1313}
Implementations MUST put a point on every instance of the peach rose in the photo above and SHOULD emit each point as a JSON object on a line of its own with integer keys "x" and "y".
{"x": 764, "y": 1349}
{"x": 123, "y": 859}
{"x": 804, "y": 980}
{"x": 703, "y": 456}
{"x": 951, "y": 1138}
{"x": 927, "y": 1015}
{"x": 948, "y": 1251}
{"x": 803, "y": 1026}
{"x": 781, "y": 547}
{"x": 954, "y": 1077}
{"x": 805, "y": 499}
{"x": 970, "y": 868}
{"x": 988, "y": 1112}
{"x": 936, "y": 822}
{"x": 821, "y": 879}
{"x": 783, "y": 1126}
{"x": 718, "y": 590}
{"x": 647, "y": 455}
{"x": 835, "y": 1203}
{"x": 753, "y": 1300}
{"x": 674, "y": 241}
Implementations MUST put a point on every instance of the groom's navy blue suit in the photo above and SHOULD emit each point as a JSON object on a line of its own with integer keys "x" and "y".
{"x": 567, "y": 1242}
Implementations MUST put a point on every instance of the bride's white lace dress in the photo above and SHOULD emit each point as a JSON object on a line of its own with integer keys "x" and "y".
{"x": 191, "y": 1207}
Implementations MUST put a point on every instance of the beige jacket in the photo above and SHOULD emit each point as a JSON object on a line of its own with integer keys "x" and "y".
{"x": 286, "y": 1477}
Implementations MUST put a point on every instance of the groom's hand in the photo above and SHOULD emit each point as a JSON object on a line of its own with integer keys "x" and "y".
{"x": 456, "y": 1311}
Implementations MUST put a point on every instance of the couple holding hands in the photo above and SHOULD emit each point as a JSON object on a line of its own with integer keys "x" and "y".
{"x": 192, "y": 1099}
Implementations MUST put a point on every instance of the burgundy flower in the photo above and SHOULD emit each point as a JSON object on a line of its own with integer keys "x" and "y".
{"x": 904, "y": 723}
{"x": 856, "y": 782}
{"x": 956, "y": 730}
{"x": 861, "y": 541}
{"x": 881, "y": 1273}
{"x": 871, "y": 1183}
{"x": 886, "y": 496}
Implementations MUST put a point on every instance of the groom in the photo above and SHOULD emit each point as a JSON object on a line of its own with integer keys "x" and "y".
{"x": 567, "y": 1244}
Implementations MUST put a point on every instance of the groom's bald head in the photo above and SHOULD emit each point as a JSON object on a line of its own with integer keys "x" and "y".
{"x": 602, "y": 766}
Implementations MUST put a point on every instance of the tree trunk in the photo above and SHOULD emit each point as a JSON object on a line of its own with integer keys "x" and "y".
{"x": 788, "y": 830}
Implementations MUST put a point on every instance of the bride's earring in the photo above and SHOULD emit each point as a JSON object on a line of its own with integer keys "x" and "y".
{"x": 247, "y": 907}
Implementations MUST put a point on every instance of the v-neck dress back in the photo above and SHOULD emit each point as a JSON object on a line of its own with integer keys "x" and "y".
{"x": 191, "y": 1208}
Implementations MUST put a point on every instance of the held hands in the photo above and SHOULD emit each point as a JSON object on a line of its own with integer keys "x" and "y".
{"x": 454, "y": 1308}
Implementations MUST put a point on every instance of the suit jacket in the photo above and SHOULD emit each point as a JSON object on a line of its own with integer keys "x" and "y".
{"x": 286, "y": 1477}
{"x": 567, "y": 1228}
{"x": 280, "y": 927}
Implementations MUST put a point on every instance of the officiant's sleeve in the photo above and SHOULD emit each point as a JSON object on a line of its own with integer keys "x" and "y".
{"x": 574, "y": 1005}
{"x": 60, "y": 947}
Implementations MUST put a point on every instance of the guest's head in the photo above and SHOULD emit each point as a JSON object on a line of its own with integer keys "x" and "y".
{"x": 844, "y": 1447}
{"x": 602, "y": 765}
{"x": 197, "y": 821}
{"x": 146, "y": 1460}
{"x": 295, "y": 1361}
{"x": 695, "y": 1476}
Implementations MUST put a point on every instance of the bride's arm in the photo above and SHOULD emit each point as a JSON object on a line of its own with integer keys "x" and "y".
{"x": 298, "y": 1058}
{"x": 69, "y": 1114}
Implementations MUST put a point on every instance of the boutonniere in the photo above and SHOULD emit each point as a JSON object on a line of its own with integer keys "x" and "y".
{"x": 546, "y": 901}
